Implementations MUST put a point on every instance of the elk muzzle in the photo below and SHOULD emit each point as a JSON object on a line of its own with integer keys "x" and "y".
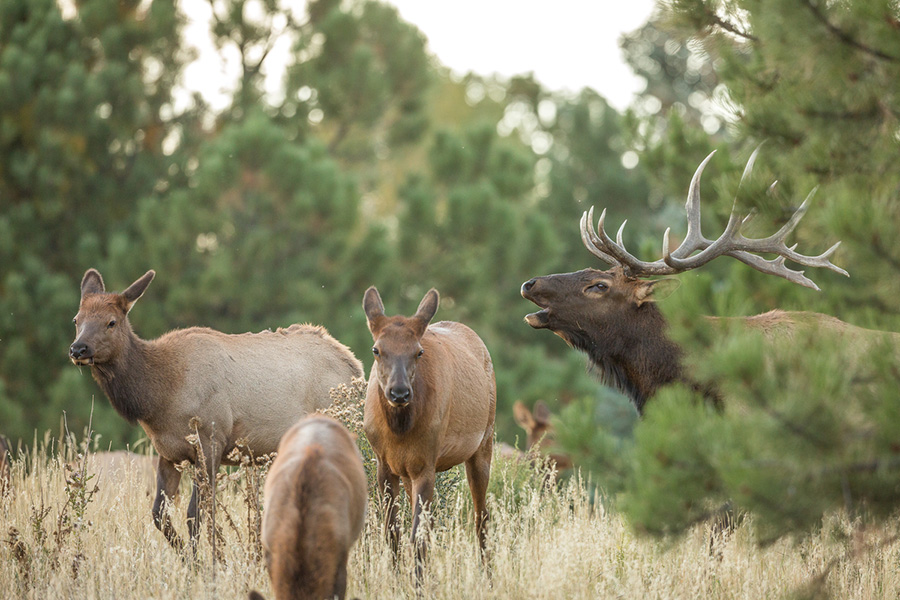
{"x": 539, "y": 319}
{"x": 81, "y": 353}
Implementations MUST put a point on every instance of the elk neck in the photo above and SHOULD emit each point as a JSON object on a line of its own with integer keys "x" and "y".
{"x": 402, "y": 420}
{"x": 136, "y": 380}
{"x": 635, "y": 355}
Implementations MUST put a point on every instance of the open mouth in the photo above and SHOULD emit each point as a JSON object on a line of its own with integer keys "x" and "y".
{"x": 538, "y": 319}
{"x": 83, "y": 361}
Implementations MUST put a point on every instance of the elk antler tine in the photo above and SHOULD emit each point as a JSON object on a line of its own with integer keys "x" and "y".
{"x": 665, "y": 249}
{"x": 619, "y": 233}
{"x": 590, "y": 239}
{"x": 748, "y": 169}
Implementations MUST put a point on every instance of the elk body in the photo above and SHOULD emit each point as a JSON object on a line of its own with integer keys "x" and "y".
{"x": 250, "y": 387}
{"x": 612, "y": 317}
{"x": 430, "y": 406}
{"x": 315, "y": 509}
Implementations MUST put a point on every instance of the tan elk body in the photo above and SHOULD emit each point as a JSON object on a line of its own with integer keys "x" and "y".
{"x": 430, "y": 406}
{"x": 315, "y": 509}
{"x": 612, "y": 317}
{"x": 252, "y": 386}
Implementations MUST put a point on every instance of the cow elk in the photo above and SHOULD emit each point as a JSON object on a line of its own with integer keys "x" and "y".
{"x": 250, "y": 387}
{"x": 538, "y": 431}
{"x": 430, "y": 406}
{"x": 315, "y": 509}
{"x": 612, "y": 317}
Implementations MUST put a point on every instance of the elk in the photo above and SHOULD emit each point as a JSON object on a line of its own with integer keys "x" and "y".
{"x": 537, "y": 428}
{"x": 315, "y": 509}
{"x": 612, "y": 317}
{"x": 249, "y": 387}
{"x": 430, "y": 406}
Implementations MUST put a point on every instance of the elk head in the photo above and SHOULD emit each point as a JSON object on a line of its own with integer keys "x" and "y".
{"x": 611, "y": 314}
{"x": 397, "y": 347}
{"x": 101, "y": 325}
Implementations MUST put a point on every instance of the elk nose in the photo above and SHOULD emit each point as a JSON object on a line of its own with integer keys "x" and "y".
{"x": 526, "y": 287}
{"x": 78, "y": 349}
{"x": 400, "y": 394}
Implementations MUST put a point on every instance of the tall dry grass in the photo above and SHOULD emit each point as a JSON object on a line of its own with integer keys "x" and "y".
{"x": 67, "y": 534}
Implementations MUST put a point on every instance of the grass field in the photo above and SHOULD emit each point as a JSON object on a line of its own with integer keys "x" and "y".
{"x": 547, "y": 540}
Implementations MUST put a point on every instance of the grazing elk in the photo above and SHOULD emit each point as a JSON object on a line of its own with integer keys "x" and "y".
{"x": 611, "y": 315}
{"x": 538, "y": 428}
{"x": 429, "y": 406}
{"x": 251, "y": 386}
{"x": 315, "y": 509}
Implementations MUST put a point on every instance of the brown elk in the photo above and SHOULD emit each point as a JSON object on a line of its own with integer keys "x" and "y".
{"x": 429, "y": 406}
{"x": 611, "y": 315}
{"x": 250, "y": 387}
{"x": 538, "y": 430}
{"x": 315, "y": 509}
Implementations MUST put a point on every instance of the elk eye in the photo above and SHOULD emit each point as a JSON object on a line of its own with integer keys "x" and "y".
{"x": 421, "y": 352}
{"x": 375, "y": 351}
{"x": 111, "y": 324}
{"x": 75, "y": 320}
{"x": 598, "y": 287}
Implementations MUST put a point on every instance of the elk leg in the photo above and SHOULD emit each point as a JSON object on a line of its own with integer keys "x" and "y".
{"x": 198, "y": 499}
{"x": 387, "y": 487}
{"x": 340, "y": 580}
{"x": 167, "y": 479}
{"x": 478, "y": 472}
{"x": 423, "y": 492}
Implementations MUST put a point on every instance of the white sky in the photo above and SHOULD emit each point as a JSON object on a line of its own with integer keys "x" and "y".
{"x": 567, "y": 44}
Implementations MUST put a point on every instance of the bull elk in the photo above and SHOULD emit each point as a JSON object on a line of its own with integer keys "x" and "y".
{"x": 250, "y": 387}
{"x": 611, "y": 315}
{"x": 430, "y": 406}
{"x": 315, "y": 509}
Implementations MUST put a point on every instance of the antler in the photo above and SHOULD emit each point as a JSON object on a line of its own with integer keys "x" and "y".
{"x": 730, "y": 243}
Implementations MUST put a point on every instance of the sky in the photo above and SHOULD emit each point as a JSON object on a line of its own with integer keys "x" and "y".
{"x": 571, "y": 46}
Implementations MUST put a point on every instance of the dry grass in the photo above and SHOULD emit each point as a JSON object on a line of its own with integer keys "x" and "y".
{"x": 63, "y": 540}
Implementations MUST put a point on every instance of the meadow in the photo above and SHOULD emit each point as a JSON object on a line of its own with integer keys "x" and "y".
{"x": 72, "y": 534}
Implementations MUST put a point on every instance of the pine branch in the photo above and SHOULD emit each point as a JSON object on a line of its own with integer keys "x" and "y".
{"x": 846, "y": 37}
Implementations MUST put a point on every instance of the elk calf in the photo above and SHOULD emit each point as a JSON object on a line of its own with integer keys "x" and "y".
{"x": 315, "y": 509}
{"x": 429, "y": 406}
{"x": 251, "y": 386}
{"x": 537, "y": 428}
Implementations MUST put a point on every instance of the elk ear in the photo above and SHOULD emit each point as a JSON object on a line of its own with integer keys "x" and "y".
{"x": 92, "y": 283}
{"x": 650, "y": 291}
{"x": 541, "y": 413}
{"x": 428, "y": 306}
{"x": 373, "y": 306}
{"x": 523, "y": 416}
{"x": 136, "y": 289}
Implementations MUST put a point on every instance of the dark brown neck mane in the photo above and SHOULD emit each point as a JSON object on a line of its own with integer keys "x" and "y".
{"x": 633, "y": 354}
